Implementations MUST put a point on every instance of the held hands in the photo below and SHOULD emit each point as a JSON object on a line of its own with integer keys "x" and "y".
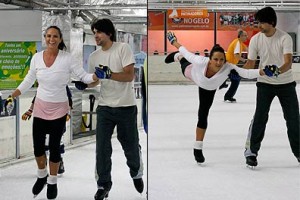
{"x": 234, "y": 75}
{"x": 171, "y": 37}
{"x": 271, "y": 70}
{"x": 27, "y": 115}
{"x": 103, "y": 72}
{"x": 80, "y": 85}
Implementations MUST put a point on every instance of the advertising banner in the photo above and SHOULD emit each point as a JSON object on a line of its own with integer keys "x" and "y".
{"x": 190, "y": 19}
{"x": 232, "y": 21}
{"x": 15, "y": 60}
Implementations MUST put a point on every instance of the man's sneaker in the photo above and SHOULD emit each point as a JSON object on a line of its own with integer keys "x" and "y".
{"x": 61, "y": 168}
{"x": 51, "y": 191}
{"x": 251, "y": 161}
{"x": 39, "y": 185}
{"x": 170, "y": 57}
{"x": 101, "y": 194}
{"x": 199, "y": 156}
{"x": 139, "y": 184}
{"x": 230, "y": 99}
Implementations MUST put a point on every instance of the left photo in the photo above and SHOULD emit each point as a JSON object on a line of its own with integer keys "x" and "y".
{"x": 73, "y": 100}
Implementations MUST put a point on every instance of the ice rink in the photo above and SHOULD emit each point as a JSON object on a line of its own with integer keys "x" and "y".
{"x": 78, "y": 182}
{"x": 173, "y": 173}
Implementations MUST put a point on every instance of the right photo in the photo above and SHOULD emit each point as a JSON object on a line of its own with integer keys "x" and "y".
{"x": 223, "y": 103}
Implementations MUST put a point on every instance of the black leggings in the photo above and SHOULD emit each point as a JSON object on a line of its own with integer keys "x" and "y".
{"x": 55, "y": 129}
{"x": 206, "y": 98}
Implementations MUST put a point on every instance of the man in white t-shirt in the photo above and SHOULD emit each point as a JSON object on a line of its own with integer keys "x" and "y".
{"x": 114, "y": 64}
{"x": 275, "y": 48}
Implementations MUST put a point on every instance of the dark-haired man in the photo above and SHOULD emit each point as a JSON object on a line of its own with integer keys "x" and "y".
{"x": 114, "y": 62}
{"x": 274, "y": 47}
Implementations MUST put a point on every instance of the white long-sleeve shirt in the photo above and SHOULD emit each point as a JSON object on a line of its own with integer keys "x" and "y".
{"x": 53, "y": 80}
{"x": 199, "y": 68}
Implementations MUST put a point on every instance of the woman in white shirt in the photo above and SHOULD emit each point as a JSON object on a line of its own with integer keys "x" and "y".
{"x": 52, "y": 68}
{"x": 208, "y": 73}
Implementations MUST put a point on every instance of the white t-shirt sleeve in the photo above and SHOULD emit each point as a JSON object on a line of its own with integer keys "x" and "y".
{"x": 192, "y": 58}
{"x": 237, "y": 48}
{"x": 127, "y": 55}
{"x": 252, "y": 50}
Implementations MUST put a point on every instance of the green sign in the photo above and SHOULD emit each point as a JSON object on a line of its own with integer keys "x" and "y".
{"x": 15, "y": 60}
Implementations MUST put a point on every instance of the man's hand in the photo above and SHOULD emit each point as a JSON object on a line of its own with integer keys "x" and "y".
{"x": 171, "y": 37}
{"x": 103, "y": 72}
{"x": 271, "y": 70}
{"x": 80, "y": 85}
{"x": 27, "y": 115}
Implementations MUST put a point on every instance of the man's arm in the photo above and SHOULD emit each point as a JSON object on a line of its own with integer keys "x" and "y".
{"x": 127, "y": 75}
{"x": 250, "y": 64}
{"x": 287, "y": 63}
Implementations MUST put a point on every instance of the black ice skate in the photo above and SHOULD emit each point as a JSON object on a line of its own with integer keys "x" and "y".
{"x": 39, "y": 185}
{"x": 139, "y": 184}
{"x": 101, "y": 194}
{"x": 251, "y": 161}
{"x": 170, "y": 57}
{"x": 199, "y": 156}
{"x": 61, "y": 168}
{"x": 51, "y": 191}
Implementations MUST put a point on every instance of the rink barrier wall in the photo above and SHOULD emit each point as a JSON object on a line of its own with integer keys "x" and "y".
{"x": 161, "y": 73}
{"x": 16, "y": 134}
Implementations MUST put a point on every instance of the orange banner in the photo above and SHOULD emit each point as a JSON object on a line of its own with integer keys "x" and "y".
{"x": 192, "y": 23}
{"x": 156, "y": 20}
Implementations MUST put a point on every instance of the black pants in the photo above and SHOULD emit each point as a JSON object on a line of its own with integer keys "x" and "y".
{"x": 287, "y": 96}
{"x": 54, "y": 128}
{"x": 125, "y": 119}
{"x": 206, "y": 98}
{"x": 233, "y": 88}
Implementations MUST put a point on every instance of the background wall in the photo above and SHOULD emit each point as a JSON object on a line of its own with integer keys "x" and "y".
{"x": 203, "y": 39}
{"x": 20, "y": 25}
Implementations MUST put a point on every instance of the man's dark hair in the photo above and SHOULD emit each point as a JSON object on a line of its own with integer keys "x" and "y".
{"x": 266, "y": 15}
{"x": 106, "y": 26}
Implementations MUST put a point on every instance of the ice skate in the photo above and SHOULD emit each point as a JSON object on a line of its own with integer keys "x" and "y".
{"x": 51, "y": 191}
{"x": 61, "y": 168}
{"x": 199, "y": 156}
{"x": 170, "y": 57}
{"x": 230, "y": 99}
{"x": 39, "y": 185}
{"x": 139, "y": 184}
{"x": 251, "y": 162}
{"x": 101, "y": 194}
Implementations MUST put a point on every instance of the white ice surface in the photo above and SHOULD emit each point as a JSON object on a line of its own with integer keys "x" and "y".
{"x": 173, "y": 173}
{"x": 78, "y": 182}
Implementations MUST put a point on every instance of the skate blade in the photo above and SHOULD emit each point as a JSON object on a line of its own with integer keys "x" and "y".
{"x": 251, "y": 167}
